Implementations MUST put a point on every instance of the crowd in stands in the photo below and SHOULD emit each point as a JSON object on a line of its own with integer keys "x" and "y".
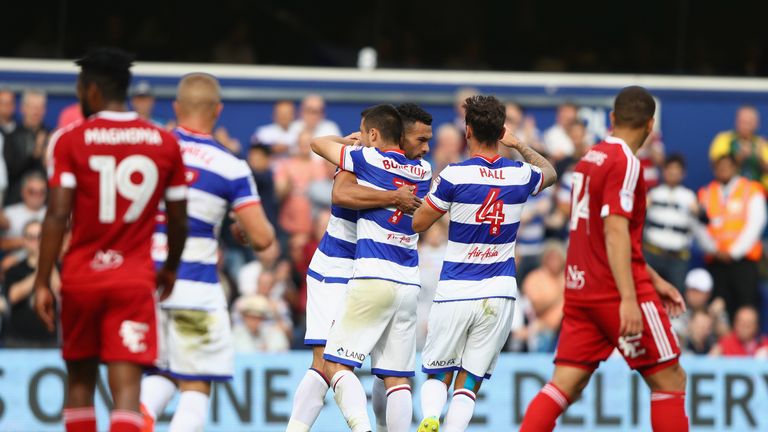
{"x": 724, "y": 220}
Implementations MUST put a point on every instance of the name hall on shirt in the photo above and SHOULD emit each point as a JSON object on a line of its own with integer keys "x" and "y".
{"x": 491, "y": 173}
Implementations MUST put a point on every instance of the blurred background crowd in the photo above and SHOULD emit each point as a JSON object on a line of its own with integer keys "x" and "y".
{"x": 707, "y": 242}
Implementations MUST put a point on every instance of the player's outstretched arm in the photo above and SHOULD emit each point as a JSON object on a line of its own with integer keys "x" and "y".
{"x": 348, "y": 194}
{"x": 54, "y": 228}
{"x": 619, "y": 250}
{"x": 330, "y": 147}
{"x": 256, "y": 227}
{"x": 532, "y": 157}
{"x": 424, "y": 217}
{"x": 176, "y": 212}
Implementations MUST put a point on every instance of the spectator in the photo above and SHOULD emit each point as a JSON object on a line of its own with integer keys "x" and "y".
{"x": 532, "y": 233}
{"x": 72, "y": 113}
{"x": 522, "y": 126}
{"x": 651, "y": 156}
{"x": 276, "y": 135}
{"x": 143, "y": 102}
{"x": 268, "y": 260}
{"x": 701, "y": 339}
{"x": 259, "y": 161}
{"x": 236, "y": 47}
{"x": 312, "y": 120}
{"x": 257, "y": 328}
{"x": 577, "y": 133}
{"x": 698, "y": 292}
{"x": 221, "y": 134}
{"x": 32, "y": 207}
{"x": 449, "y": 142}
{"x": 292, "y": 179}
{"x": 745, "y": 340}
{"x": 25, "y": 329}
{"x": 458, "y": 105}
{"x": 557, "y": 143}
{"x": 669, "y": 225}
{"x": 23, "y": 147}
{"x": 735, "y": 208}
{"x": 431, "y": 254}
{"x": 749, "y": 149}
{"x": 543, "y": 288}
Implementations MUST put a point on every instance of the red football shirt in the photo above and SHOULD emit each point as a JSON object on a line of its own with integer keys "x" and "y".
{"x": 119, "y": 167}
{"x": 608, "y": 180}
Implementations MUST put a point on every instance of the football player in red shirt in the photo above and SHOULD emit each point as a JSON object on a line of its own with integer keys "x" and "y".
{"x": 612, "y": 298}
{"x": 109, "y": 173}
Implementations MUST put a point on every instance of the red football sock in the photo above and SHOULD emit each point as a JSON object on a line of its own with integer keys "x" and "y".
{"x": 668, "y": 411}
{"x": 126, "y": 421}
{"x": 80, "y": 419}
{"x": 544, "y": 410}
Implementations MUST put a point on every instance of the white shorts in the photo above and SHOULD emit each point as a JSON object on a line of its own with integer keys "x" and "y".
{"x": 467, "y": 335}
{"x": 323, "y": 301}
{"x": 195, "y": 344}
{"x": 378, "y": 318}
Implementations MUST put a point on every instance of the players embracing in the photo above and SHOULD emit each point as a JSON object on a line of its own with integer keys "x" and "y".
{"x": 471, "y": 317}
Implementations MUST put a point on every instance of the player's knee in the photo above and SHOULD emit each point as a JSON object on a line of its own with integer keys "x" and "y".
{"x": 672, "y": 378}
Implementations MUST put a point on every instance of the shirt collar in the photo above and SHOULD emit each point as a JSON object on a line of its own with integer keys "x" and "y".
{"x": 490, "y": 161}
{"x": 117, "y": 115}
{"x": 610, "y": 139}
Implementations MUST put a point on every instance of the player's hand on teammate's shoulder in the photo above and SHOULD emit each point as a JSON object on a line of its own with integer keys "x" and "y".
{"x": 165, "y": 281}
{"x": 406, "y": 199}
{"x": 44, "y": 305}
{"x": 510, "y": 140}
{"x": 630, "y": 317}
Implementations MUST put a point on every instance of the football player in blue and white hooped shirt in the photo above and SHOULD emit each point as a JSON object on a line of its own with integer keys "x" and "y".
{"x": 472, "y": 315}
{"x": 378, "y": 314}
{"x": 196, "y": 340}
{"x": 332, "y": 264}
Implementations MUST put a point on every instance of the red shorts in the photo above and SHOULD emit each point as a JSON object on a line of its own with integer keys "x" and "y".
{"x": 590, "y": 333}
{"x": 115, "y": 324}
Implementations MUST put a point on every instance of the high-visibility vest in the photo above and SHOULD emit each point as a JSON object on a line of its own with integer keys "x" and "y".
{"x": 728, "y": 217}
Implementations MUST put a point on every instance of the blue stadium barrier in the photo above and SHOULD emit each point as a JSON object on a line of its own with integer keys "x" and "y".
{"x": 723, "y": 395}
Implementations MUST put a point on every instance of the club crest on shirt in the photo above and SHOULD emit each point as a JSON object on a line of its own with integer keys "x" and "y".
{"x": 133, "y": 333}
{"x": 627, "y": 200}
{"x": 106, "y": 260}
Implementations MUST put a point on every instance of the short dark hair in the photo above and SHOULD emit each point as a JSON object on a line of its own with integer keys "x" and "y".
{"x": 387, "y": 120}
{"x": 109, "y": 69}
{"x": 486, "y": 116}
{"x": 259, "y": 147}
{"x": 633, "y": 107}
{"x": 412, "y": 113}
{"x": 675, "y": 158}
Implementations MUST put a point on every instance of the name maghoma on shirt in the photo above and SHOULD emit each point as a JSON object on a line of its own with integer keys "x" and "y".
{"x": 119, "y": 136}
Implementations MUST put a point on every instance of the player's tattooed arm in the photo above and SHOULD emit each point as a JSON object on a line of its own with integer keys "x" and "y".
{"x": 532, "y": 157}
{"x": 348, "y": 194}
{"x": 330, "y": 147}
{"x": 51, "y": 241}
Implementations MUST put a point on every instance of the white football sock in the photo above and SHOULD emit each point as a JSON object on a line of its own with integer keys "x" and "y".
{"x": 191, "y": 413}
{"x": 352, "y": 400}
{"x": 307, "y": 402}
{"x": 399, "y": 408}
{"x": 434, "y": 395}
{"x": 156, "y": 392}
{"x": 460, "y": 411}
{"x": 379, "y": 402}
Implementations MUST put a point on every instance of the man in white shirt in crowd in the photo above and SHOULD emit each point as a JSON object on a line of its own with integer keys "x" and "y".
{"x": 312, "y": 118}
{"x": 557, "y": 143}
{"x": 32, "y": 207}
{"x": 670, "y": 223}
{"x": 277, "y": 134}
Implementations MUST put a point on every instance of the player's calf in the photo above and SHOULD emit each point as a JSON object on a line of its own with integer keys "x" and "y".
{"x": 310, "y": 394}
{"x": 668, "y": 399}
{"x": 399, "y": 410}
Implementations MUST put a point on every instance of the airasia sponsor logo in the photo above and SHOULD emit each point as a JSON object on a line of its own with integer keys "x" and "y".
{"x": 482, "y": 254}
